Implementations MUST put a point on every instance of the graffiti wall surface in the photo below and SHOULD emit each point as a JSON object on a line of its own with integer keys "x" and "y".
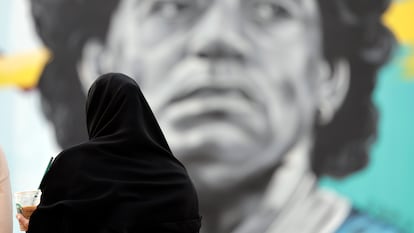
{"x": 290, "y": 116}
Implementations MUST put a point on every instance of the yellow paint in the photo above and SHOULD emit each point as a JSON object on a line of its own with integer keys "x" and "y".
{"x": 23, "y": 69}
{"x": 400, "y": 18}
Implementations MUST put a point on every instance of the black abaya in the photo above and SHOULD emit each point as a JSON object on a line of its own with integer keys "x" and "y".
{"x": 124, "y": 179}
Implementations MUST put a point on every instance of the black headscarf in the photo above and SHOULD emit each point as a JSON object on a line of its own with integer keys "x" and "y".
{"x": 124, "y": 179}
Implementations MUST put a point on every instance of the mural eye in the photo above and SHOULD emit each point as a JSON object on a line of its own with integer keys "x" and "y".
{"x": 170, "y": 9}
{"x": 269, "y": 12}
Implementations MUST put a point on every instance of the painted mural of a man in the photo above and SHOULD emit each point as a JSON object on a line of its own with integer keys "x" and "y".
{"x": 258, "y": 98}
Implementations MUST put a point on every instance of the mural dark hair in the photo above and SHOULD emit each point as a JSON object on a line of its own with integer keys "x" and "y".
{"x": 354, "y": 32}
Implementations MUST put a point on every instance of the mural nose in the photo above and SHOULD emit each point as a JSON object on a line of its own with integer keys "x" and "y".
{"x": 219, "y": 34}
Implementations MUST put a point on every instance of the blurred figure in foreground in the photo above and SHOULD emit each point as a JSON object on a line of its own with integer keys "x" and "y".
{"x": 6, "y": 211}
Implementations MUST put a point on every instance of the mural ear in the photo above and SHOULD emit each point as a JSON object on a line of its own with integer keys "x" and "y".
{"x": 332, "y": 89}
{"x": 90, "y": 64}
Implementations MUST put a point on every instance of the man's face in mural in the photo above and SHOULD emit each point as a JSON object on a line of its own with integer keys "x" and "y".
{"x": 235, "y": 84}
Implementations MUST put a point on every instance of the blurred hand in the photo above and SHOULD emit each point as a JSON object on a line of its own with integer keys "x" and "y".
{"x": 23, "y": 222}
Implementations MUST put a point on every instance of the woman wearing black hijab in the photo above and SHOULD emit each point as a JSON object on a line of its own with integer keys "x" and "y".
{"x": 124, "y": 179}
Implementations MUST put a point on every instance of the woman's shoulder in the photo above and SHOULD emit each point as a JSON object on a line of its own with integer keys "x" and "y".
{"x": 71, "y": 155}
{"x": 74, "y": 150}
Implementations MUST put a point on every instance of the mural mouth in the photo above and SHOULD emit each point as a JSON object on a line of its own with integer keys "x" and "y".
{"x": 214, "y": 109}
{"x": 212, "y": 101}
{"x": 209, "y": 92}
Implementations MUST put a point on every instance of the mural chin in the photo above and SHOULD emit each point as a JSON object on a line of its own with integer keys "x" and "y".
{"x": 221, "y": 165}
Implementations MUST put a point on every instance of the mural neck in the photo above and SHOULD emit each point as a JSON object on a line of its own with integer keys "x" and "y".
{"x": 293, "y": 202}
